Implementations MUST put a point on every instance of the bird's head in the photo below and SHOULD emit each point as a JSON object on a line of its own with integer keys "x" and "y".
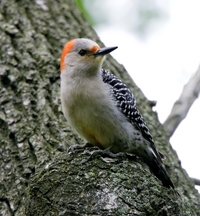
{"x": 83, "y": 55}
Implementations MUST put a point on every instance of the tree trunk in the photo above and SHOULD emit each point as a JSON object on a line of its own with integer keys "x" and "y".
{"x": 38, "y": 176}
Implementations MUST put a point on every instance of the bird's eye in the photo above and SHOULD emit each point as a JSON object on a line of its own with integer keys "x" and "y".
{"x": 82, "y": 52}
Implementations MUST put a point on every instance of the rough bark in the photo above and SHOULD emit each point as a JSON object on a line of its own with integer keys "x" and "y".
{"x": 37, "y": 175}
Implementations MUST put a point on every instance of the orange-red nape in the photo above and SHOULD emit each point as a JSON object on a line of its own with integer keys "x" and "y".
{"x": 67, "y": 49}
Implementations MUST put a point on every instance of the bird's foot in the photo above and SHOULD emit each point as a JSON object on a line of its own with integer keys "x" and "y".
{"x": 74, "y": 148}
{"x": 105, "y": 153}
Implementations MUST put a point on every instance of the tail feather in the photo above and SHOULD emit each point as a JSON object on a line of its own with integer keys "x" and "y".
{"x": 157, "y": 168}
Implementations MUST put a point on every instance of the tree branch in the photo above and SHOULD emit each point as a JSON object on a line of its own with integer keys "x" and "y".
{"x": 196, "y": 181}
{"x": 182, "y": 105}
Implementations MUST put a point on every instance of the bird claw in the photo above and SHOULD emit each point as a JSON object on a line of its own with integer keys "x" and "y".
{"x": 74, "y": 148}
{"x": 105, "y": 153}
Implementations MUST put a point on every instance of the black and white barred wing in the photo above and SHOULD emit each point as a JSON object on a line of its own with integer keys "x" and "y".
{"x": 126, "y": 103}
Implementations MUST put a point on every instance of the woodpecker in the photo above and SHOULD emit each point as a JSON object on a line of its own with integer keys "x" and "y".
{"x": 101, "y": 108}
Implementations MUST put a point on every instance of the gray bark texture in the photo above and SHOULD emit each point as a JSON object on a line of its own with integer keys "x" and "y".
{"x": 37, "y": 175}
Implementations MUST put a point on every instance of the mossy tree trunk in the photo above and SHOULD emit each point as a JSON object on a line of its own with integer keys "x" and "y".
{"x": 38, "y": 176}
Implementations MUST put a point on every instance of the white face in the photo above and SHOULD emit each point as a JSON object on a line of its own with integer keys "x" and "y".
{"x": 82, "y": 58}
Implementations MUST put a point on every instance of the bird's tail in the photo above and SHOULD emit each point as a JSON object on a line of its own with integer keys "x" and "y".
{"x": 153, "y": 160}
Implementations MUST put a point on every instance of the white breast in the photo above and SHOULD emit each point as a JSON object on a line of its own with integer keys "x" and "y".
{"x": 90, "y": 110}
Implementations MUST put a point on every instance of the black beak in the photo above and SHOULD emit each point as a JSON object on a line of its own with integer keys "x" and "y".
{"x": 104, "y": 51}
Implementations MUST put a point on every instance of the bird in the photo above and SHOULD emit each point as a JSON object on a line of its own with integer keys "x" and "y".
{"x": 102, "y": 109}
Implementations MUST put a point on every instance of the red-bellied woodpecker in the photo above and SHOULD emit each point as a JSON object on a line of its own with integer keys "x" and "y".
{"x": 100, "y": 107}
